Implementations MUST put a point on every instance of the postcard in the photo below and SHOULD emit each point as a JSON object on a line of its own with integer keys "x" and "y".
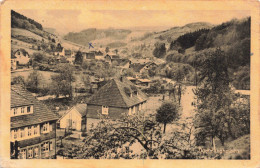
{"x": 129, "y": 84}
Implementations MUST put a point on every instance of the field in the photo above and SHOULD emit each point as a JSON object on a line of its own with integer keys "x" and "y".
{"x": 46, "y": 75}
{"x": 26, "y": 33}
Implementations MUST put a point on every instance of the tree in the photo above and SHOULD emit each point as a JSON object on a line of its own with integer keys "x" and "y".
{"x": 86, "y": 80}
{"x": 116, "y": 51}
{"x": 107, "y": 49}
{"x": 38, "y": 57}
{"x": 214, "y": 98}
{"x": 79, "y": 58}
{"x": 62, "y": 83}
{"x": 159, "y": 50}
{"x": 18, "y": 80}
{"x": 167, "y": 113}
{"x": 34, "y": 80}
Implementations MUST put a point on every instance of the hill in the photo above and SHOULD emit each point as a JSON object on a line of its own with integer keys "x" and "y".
{"x": 232, "y": 37}
{"x": 88, "y": 35}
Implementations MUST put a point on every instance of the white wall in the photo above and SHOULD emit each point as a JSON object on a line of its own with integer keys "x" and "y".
{"x": 74, "y": 116}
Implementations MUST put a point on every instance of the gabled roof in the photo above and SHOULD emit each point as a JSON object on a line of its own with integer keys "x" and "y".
{"x": 81, "y": 108}
{"x": 18, "y": 100}
{"x": 137, "y": 66}
{"x": 116, "y": 93}
{"x": 115, "y": 56}
{"x": 23, "y": 51}
{"x": 40, "y": 112}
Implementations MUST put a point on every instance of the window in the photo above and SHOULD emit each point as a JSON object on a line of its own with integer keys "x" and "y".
{"x": 23, "y": 154}
{"x": 22, "y": 110}
{"x": 15, "y": 111}
{"x": 30, "y": 153}
{"x": 45, "y": 147}
{"x": 35, "y": 132}
{"x": 45, "y": 127}
{"x": 51, "y": 146}
{"x": 28, "y": 109}
{"x": 22, "y": 133}
{"x": 36, "y": 151}
{"x": 130, "y": 111}
{"x": 105, "y": 110}
{"x": 15, "y": 133}
{"x": 29, "y": 131}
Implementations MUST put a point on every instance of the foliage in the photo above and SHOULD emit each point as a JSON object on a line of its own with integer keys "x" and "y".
{"x": 225, "y": 34}
{"x": 167, "y": 113}
{"x": 118, "y": 140}
{"x": 159, "y": 50}
{"x": 107, "y": 49}
{"x": 20, "y": 21}
{"x": 78, "y": 58}
{"x": 214, "y": 99}
{"x": 38, "y": 57}
{"x": 62, "y": 83}
{"x": 187, "y": 40}
{"x": 18, "y": 80}
{"x": 34, "y": 80}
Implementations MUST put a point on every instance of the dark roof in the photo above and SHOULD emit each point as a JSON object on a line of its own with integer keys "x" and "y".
{"x": 68, "y": 52}
{"x": 40, "y": 112}
{"x": 23, "y": 51}
{"x": 115, "y": 56}
{"x": 137, "y": 66}
{"x": 90, "y": 56}
{"x": 113, "y": 93}
{"x": 18, "y": 100}
{"x": 81, "y": 108}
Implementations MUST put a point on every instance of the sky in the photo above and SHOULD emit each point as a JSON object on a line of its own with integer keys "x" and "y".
{"x": 65, "y": 21}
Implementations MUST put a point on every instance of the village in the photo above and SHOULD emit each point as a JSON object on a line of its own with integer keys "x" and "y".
{"x": 91, "y": 101}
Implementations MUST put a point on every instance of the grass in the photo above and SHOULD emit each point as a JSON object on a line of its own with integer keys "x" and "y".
{"x": 23, "y": 32}
{"x": 46, "y": 76}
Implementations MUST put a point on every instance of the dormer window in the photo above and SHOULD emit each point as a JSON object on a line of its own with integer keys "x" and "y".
{"x": 21, "y": 110}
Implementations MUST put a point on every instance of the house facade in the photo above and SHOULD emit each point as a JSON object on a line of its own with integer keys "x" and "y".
{"x": 75, "y": 118}
{"x": 22, "y": 57}
{"x": 33, "y": 127}
{"x": 117, "y": 98}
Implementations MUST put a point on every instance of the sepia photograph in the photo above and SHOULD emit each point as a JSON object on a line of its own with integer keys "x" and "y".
{"x": 142, "y": 84}
{"x": 152, "y": 90}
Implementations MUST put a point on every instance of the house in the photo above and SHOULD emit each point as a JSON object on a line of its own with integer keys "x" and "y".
{"x": 22, "y": 57}
{"x": 140, "y": 68}
{"x": 143, "y": 82}
{"x": 117, "y": 98}
{"x": 33, "y": 126}
{"x": 89, "y": 56}
{"x": 13, "y": 61}
{"x": 108, "y": 58}
{"x": 137, "y": 67}
{"x": 133, "y": 80}
{"x": 67, "y": 53}
{"x": 59, "y": 51}
{"x": 75, "y": 118}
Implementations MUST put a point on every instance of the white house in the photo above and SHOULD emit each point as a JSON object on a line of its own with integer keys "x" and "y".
{"x": 75, "y": 118}
{"x": 22, "y": 57}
